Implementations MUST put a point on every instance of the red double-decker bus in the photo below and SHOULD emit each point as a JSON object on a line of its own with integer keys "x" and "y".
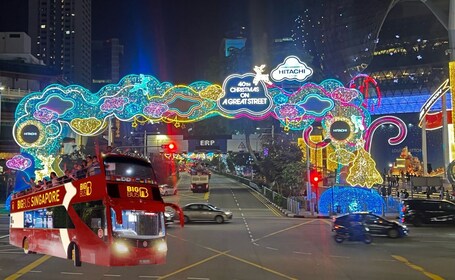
{"x": 112, "y": 218}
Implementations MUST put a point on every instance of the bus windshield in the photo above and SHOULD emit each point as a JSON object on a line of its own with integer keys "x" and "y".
{"x": 129, "y": 168}
{"x": 138, "y": 224}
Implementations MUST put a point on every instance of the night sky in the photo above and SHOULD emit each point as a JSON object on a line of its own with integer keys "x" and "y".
{"x": 173, "y": 40}
{"x": 168, "y": 39}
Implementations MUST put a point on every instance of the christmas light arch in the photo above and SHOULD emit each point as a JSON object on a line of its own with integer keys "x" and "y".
{"x": 42, "y": 116}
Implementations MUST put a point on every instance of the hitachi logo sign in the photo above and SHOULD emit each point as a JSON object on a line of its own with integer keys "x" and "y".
{"x": 340, "y": 130}
{"x": 292, "y": 71}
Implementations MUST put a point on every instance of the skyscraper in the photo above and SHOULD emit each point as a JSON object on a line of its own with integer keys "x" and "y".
{"x": 107, "y": 55}
{"x": 61, "y": 37}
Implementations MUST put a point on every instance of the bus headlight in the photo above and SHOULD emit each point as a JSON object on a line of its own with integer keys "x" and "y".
{"x": 161, "y": 246}
{"x": 120, "y": 247}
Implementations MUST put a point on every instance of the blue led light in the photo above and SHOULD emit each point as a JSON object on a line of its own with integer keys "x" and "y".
{"x": 350, "y": 199}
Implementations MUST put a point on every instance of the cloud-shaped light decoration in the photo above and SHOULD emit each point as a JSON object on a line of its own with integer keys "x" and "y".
{"x": 113, "y": 104}
{"x": 317, "y": 105}
{"x": 18, "y": 162}
{"x": 344, "y": 95}
{"x": 289, "y": 111}
{"x": 45, "y": 115}
{"x": 155, "y": 110}
{"x": 55, "y": 103}
{"x": 88, "y": 127}
{"x": 292, "y": 69}
{"x": 280, "y": 99}
{"x": 212, "y": 92}
{"x": 330, "y": 85}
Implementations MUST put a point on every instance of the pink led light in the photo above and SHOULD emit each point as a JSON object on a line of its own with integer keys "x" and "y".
{"x": 45, "y": 115}
{"x": 114, "y": 103}
{"x": 18, "y": 162}
{"x": 344, "y": 95}
{"x": 306, "y": 137}
{"x": 252, "y": 116}
{"x": 402, "y": 130}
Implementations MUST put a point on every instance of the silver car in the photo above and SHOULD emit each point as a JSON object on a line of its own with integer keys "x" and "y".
{"x": 166, "y": 189}
{"x": 205, "y": 212}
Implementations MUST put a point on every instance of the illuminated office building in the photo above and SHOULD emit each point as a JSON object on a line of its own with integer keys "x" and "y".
{"x": 61, "y": 37}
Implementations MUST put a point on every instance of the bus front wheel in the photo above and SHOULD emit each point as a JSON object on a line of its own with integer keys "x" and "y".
{"x": 26, "y": 246}
{"x": 75, "y": 254}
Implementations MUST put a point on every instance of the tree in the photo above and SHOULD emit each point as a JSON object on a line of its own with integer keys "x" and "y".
{"x": 281, "y": 166}
{"x": 293, "y": 177}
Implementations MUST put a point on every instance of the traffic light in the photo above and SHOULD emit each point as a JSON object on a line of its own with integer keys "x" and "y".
{"x": 315, "y": 177}
{"x": 169, "y": 148}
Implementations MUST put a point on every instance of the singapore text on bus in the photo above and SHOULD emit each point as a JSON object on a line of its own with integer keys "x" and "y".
{"x": 114, "y": 216}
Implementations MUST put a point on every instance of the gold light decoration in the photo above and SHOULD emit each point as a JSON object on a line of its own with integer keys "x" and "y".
{"x": 363, "y": 170}
{"x": 212, "y": 92}
{"x": 316, "y": 153}
{"x": 331, "y": 165}
{"x": 41, "y": 138}
{"x": 87, "y": 127}
{"x": 342, "y": 156}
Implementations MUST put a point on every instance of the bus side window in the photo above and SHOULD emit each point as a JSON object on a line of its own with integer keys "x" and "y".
{"x": 93, "y": 214}
{"x": 58, "y": 218}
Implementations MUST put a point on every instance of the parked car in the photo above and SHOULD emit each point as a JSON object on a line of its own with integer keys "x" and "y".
{"x": 166, "y": 189}
{"x": 170, "y": 215}
{"x": 377, "y": 225}
{"x": 205, "y": 212}
{"x": 427, "y": 211}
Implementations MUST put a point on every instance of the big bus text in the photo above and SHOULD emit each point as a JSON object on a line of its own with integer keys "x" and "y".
{"x": 112, "y": 218}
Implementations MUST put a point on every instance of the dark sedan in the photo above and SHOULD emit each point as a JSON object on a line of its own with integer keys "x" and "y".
{"x": 376, "y": 224}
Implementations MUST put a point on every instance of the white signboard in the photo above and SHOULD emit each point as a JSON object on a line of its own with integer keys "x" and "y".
{"x": 292, "y": 69}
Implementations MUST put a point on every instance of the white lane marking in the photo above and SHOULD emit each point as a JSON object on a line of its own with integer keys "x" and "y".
{"x": 341, "y": 257}
{"x": 302, "y": 253}
{"x": 4, "y": 236}
{"x": 271, "y": 248}
{"x": 71, "y": 273}
{"x": 243, "y": 216}
{"x": 433, "y": 241}
{"x": 112, "y": 275}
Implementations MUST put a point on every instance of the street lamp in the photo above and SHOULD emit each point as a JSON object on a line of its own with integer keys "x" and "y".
{"x": 272, "y": 131}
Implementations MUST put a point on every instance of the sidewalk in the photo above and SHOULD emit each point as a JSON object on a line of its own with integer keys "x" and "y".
{"x": 2, "y": 209}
